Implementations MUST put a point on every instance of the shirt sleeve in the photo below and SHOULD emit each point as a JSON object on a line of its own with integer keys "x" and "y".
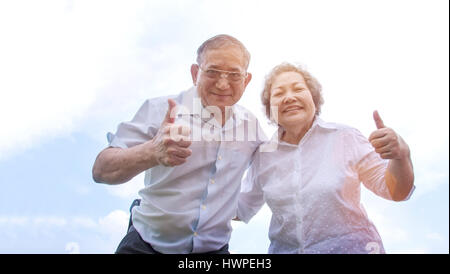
{"x": 251, "y": 197}
{"x": 368, "y": 164}
{"x": 141, "y": 128}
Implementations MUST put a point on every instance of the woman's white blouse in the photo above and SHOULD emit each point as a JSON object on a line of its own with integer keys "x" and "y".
{"x": 313, "y": 191}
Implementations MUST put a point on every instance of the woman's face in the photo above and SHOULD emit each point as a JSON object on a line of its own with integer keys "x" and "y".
{"x": 291, "y": 99}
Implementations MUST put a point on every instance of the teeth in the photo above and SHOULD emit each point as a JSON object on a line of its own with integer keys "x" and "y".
{"x": 291, "y": 108}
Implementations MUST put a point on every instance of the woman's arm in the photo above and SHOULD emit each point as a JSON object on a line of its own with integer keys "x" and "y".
{"x": 399, "y": 175}
{"x": 251, "y": 197}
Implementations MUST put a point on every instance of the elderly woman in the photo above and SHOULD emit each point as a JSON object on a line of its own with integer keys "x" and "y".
{"x": 309, "y": 173}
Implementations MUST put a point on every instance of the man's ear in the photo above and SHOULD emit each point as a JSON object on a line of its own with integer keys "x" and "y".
{"x": 194, "y": 73}
{"x": 247, "y": 80}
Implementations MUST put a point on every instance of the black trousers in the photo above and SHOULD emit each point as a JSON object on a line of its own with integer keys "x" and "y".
{"x": 133, "y": 243}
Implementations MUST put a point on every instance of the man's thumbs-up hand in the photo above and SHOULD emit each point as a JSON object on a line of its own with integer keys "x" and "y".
{"x": 386, "y": 141}
{"x": 171, "y": 112}
{"x": 170, "y": 146}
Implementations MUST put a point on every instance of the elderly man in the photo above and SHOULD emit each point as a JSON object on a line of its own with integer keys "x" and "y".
{"x": 194, "y": 148}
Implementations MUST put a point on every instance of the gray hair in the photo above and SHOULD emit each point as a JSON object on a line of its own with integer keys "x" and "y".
{"x": 220, "y": 41}
{"x": 313, "y": 85}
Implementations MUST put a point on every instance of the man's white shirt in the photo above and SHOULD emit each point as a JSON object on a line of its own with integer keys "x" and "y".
{"x": 188, "y": 208}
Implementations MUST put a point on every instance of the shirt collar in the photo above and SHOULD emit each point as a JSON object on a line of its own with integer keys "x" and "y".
{"x": 191, "y": 102}
{"x": 321, "y": 123}
{"x": 193, "y": 106}
{"x": 318, "y": 122}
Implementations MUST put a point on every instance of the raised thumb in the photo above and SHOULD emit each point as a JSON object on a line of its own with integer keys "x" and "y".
{"x": 378, "y": 120}
{"x": 170, "y": 115}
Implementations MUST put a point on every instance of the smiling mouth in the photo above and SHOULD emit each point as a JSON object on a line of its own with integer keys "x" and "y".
{"x": 292, "y": 108}
{"x": 221, "y": 95}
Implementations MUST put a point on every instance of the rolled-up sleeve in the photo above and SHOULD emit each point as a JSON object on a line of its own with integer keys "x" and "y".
{"x": 372, "y": 169}
{"x": 140, "y": 129}
{"x": 370, "y": 166}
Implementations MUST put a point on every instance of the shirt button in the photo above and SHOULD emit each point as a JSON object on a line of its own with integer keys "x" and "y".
{"x": 195, "y": 234}
{"x": 203, "y": 207}
{"x": 212, "y": 181}
{"x": 220, "y": 157}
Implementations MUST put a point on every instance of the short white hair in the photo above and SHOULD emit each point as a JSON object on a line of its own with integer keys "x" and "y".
{"x": 220, "y": 41}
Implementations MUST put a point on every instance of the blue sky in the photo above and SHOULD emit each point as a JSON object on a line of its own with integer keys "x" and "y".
{"x": 72, "y": 70}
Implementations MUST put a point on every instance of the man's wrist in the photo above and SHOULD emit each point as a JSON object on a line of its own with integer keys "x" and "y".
{"x": 148, "y": 155}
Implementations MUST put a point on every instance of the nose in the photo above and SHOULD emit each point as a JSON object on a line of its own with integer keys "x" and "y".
{"x": 222, "y": 83}
{"x": 288, "y": 98}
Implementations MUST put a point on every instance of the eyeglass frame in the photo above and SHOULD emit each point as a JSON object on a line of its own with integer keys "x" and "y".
{"x": 243, "y": 75}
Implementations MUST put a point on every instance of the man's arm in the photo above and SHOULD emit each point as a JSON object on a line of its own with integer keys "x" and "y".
{"x": 169, "y": 147}
{"x": 119, "y": 165}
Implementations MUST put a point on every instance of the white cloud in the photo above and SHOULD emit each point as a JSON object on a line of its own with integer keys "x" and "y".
{"x": 80, "y": 233}
{"x": 49, "y": 221}
{"x": 82, "y": 189}
{"x": 128, "y": 190}
{"x": 36, "y": 221}
{"x": 428, "y": 180}
{"x": 391, "y": 233}
{"x": 87, "y": 66}
{"x": 84, "y": 222}
{"x": 59, "y": 61}
{"x": 435, "y": 236}
{"x": 73, "y": 248}
{"x": 15, "y": 221}
{"x": 114, "y": 224}
{"x": 403, "y": 231}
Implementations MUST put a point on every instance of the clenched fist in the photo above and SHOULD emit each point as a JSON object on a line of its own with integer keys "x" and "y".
{"x": 387, "y": 142}
{"x": 171, "y": 143}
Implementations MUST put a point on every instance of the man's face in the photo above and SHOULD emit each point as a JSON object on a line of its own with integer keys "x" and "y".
{"x": 219, "y": 90}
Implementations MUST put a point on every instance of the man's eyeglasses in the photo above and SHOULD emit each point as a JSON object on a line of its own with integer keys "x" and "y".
{"x": 233, "y": 76}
